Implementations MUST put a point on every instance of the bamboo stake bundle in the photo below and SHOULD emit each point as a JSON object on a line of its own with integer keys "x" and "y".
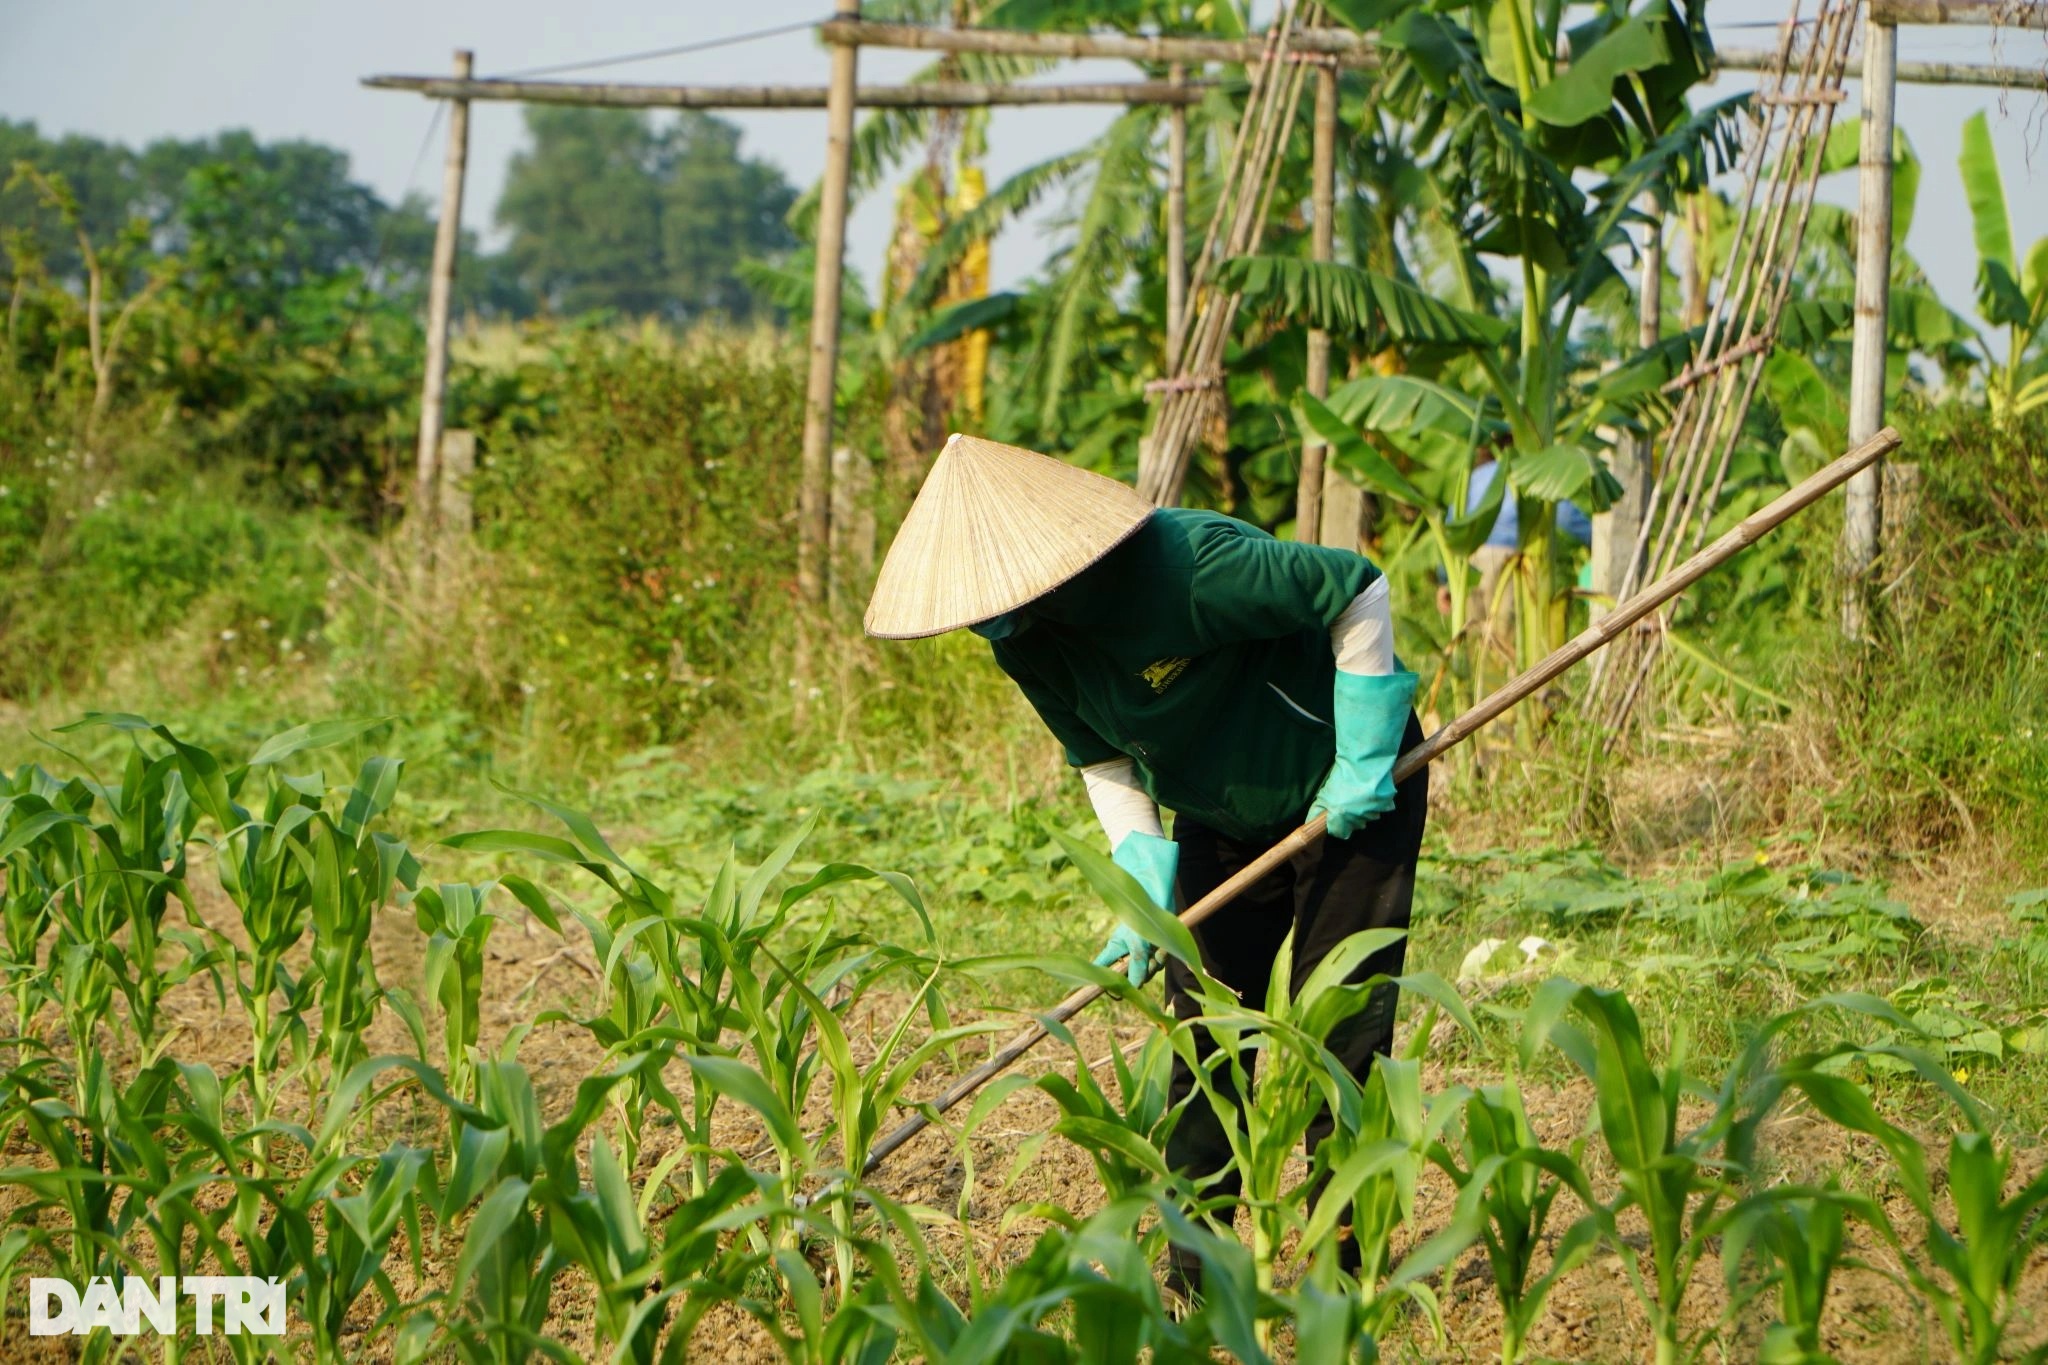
{"x": 1589, "y": 641}
{"x": 1249, "y": 183}
{"x": 1741, "y": 330}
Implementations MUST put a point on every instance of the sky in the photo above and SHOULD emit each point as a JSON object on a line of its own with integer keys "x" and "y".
{"x": 135, "y": 70}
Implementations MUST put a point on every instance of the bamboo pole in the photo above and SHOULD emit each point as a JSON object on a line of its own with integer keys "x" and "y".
{"x": 1994, "y": 75}
{"x": 1176, "y": 218}
{"x": 967, "y": 95}
{"x": 1616, "y": 531}
{"x": 1596, "y": 636}
{"x": 1350, "y": 49}
{"x": 440, "y": 290}
{"x": 813, "y": 498}
{"x": 928, "y": 95}
{"x": 1867, "y": 353}
{"x": 2012, "y": 14}
{"x": 1308, "y": 504}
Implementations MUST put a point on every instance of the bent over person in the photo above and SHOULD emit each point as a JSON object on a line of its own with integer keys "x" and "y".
{"x": 1188, "y": 660}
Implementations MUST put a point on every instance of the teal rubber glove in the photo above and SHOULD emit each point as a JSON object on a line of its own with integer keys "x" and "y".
{"x": 1153, "y": 861}
{"x": 1371, "y": 712}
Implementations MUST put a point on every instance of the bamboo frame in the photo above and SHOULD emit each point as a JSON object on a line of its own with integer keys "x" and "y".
{"x": 926, "y": 95}
{"x": 1176, "y": 218}
{"x": 974, "y": 95}
{"x": 1595, "y": 637}
{"x": 440, "y": 296}
{"x": 1308, "y": 495}
{"x": 1860, "y": 528}
{"x": 820, "y": 391}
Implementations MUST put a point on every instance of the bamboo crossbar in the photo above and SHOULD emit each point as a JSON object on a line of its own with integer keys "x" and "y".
{"x": 973, "y": 94}
{"x": 925, "y": 95}
{"x": 2012, "y": 14}
{"x": 1350, "y": 49}
{"x": 2001, "y": 77}
{"x": 1596, "y": 636}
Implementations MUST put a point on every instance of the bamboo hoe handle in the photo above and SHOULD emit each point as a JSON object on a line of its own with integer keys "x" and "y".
{"x": 1594, "y": 637}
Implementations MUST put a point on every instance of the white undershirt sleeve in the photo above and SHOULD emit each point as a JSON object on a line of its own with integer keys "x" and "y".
{"x": 1363, "y": 636}
{"x": 1121, "y": 804}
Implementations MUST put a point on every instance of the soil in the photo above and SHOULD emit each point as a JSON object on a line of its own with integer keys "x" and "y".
{"x": 1594, "y": 1314}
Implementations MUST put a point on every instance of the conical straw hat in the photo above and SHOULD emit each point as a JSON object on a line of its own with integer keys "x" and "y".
{"x": 992, "y": 528}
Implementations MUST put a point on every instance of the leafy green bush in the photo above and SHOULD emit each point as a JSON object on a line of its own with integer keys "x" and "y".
{"x": 645, "y": 537}
{"x": 241, "y": 583}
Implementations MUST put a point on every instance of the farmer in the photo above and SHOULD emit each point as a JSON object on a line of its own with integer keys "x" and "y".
{"x": 1185, "y": 659}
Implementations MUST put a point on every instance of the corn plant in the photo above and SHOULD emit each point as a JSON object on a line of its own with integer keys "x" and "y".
{"x": 1792, "y": 1239}
{"x": 1124, "y": 1134}
{"x": 100, "y": 1161}
{"x": 287, "y": 867}
{"x": 504, "y": 1273}
{"x": 702, "y": 982}
{"x": 1685, "y": 1184}
{"x": 1971, "y": 1275}
{"x": 111, "y": 882}
{"x": 1994, "y": 1240}
{"x": 457, "y": 927}
{"x": 119, "y": 1194}
{"x": 1680, "y": 1182}
{"x": 334, "y": 1244}
{"x": 1086, "y": 1293}
{"x": 1518, "y": 1180}
{"x": 650, "y": 996}
{"x": 602, "y": 1227}
{"x": 503, "y": 1162}
{"x": 352, "y": 872}
{"x": 40, "y": 819}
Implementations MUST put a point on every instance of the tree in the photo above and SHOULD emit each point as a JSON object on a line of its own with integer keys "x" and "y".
{"x": 2011, "y": 292}
{"x": 105, "y": 271}
{"x": 286, "y": 214}
{"x": 610, "y": 210}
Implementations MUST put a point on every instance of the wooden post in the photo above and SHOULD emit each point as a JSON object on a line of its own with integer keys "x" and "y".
{"x": 1176, "y": 219}
{"x": 1863, "y": 509}
{"x": 457, "y": 463}
{"x": 1616, "y": 531}
{"x": 1308, "y": 503}
{"x": 813, "y": 500}
{"x": 852, "y": 538}
{"x": 440, "y": 287}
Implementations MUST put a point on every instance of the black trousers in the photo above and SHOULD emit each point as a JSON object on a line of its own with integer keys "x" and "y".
{"x": 1324, "y": 894}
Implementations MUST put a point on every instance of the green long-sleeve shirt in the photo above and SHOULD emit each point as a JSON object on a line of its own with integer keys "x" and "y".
{"x": 1200, "y": 648}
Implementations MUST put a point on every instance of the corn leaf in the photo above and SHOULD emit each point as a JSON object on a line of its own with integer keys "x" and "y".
{"x": 1129, "y": 901}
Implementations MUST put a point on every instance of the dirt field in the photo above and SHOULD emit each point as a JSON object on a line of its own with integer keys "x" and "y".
{"x": 1592, "y": 1316}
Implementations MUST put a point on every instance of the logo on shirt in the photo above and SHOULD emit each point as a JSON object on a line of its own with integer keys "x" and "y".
{"x": 1161, "y": 674}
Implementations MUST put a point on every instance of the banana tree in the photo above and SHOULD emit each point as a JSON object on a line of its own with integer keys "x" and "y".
{"x": 2011, "y": 293}
{"x": 1530, "y": 168}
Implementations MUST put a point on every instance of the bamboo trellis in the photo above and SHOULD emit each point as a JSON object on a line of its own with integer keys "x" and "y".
{"x": 1793, "y": 114}
{"x": 1191, "y": 395}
